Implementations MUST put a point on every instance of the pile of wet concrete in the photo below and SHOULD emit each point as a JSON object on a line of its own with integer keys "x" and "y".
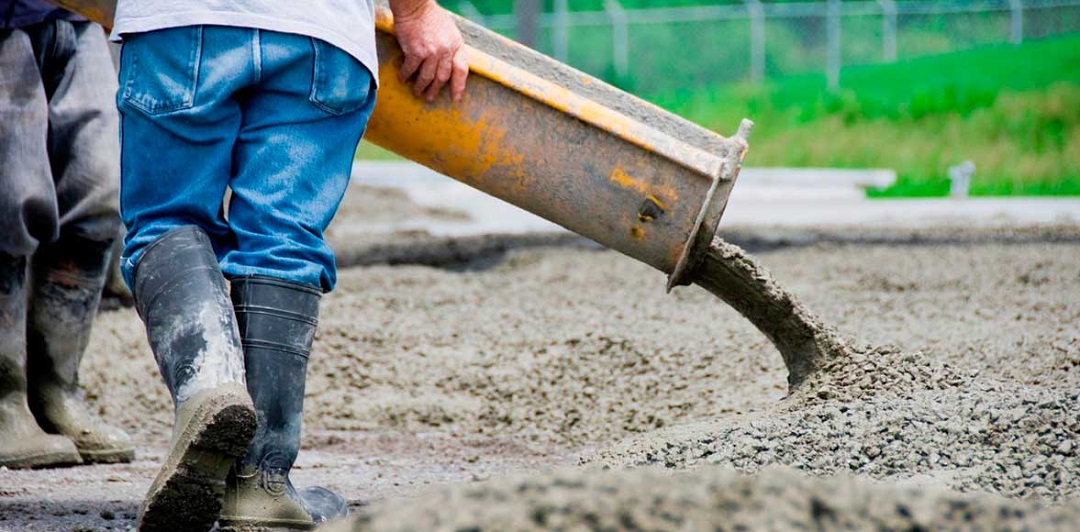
{"x": 899, "y": 417}
{"x": 953, "y": 451}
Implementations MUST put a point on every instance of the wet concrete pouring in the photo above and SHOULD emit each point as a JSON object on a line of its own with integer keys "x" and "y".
{"x": 547, "y": 386}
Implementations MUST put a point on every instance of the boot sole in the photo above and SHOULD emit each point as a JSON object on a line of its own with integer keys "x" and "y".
{"x": 190, "y": 488}
{"x": 264, "y": 525}
{"x": 111, "y": 456}
{"x": 234, "y": 523}
{"x": 42, "y": 460}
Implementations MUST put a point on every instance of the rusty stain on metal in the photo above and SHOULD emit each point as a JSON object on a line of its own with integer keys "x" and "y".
{"x": 438, "y": 138}
{"x": 100, "y": 11}
{"x": 621, "y": 178}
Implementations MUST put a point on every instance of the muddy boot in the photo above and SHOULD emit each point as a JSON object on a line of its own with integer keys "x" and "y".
{"x": 22, "y": 441}
{"x": 180, "y": 295}
{"x": 67, "y": 280}
{"x": 277, "y": 322}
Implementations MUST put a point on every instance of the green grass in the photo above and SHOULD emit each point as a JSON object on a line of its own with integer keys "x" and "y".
{"x": 1014, "y": 111}
{"x": 503, "y": 7}
{"x": 371, "y": 152}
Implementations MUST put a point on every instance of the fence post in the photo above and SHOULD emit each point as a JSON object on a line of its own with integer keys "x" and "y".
{"x": 757, "y": 40}
{"x": 832, "y": 45}
{"x": 528, "y": 21}
{"x": 561, "y": 34}
{"x": 1016, "y": 23}
{"x": 469, "y": 11}
{"x": 620, "y": 38}
{"x": 888, "y": 29}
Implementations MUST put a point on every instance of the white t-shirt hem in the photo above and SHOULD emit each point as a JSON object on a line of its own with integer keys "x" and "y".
{"x": 349, "y": 44}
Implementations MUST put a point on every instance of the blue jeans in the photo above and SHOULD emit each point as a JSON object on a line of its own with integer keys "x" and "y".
{"x": 274, "y": 117}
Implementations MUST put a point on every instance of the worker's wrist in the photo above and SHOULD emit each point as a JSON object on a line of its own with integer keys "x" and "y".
{"x": 412, "y": 9}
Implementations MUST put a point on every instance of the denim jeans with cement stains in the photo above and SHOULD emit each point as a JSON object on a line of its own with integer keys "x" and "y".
{"x": 58, "y": 149}
{"x": 273, "y": 117}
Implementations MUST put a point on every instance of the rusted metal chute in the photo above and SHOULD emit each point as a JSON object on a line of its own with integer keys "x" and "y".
{"x": 100, "y": 11}
{"x": 558, "y": 143}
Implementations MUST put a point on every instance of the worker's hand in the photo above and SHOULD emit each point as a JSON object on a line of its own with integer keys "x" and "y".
{"x": 433, "y": 48}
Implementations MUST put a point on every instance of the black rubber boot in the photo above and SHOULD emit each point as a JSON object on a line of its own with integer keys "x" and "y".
{"x": 67, "y": 280}
{"x": 23, "y": 443}
{"x": 277, "y": 322}
{"x": 180, "y": 295}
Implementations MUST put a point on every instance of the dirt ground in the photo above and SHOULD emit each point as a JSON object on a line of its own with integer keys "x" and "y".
{"x": 557, "y": 386}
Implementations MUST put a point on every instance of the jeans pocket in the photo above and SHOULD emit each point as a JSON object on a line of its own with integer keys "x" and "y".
{"x": 340, "y": 84}
{"x": 156, "y": 75}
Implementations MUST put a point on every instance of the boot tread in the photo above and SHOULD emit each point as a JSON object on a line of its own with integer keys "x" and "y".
{"x": 37, "y": 459}
{"x": 214, "y": 428}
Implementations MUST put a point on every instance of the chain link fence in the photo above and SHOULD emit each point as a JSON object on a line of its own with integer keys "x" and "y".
{"x": 654, "y": 50}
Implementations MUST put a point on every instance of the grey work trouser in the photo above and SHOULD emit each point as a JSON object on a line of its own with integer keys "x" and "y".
{"x": 59, "y": 140}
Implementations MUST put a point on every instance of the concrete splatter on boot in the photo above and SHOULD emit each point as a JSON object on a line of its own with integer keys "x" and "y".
{"x": 23, "y": 443}
{"x": 277, "y": 321}
{"x": 67, "y": 281}
{"x": 180, "y": 295}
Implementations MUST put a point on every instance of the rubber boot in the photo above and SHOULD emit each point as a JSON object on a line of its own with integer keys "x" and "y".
{"x": 277, "y": 322}
{"x": 23, "y": 443}
{"x": 180, "y": 295}
{"x": 67, "y": 281}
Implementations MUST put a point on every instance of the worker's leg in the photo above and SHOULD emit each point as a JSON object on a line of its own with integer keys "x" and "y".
{"x": 277, "y": 322}
{"x": 175, "y": 142}
{"x": 69, "y": 273}
{"x": 27, "y": 199}
{"x": 28, "y": 215}
{"x": 179, "y": 120}
{"x": 181, "y": 295}
{"x": 83, "y": 131}
{"x": 294, "y": 156}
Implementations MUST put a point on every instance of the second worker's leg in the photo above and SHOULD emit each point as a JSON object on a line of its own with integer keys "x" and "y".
{"x": 68, "y": 274}
{"x": 28, "y": 217}
{"x": 67, "y": 280}
{"x": 22, "y": 442}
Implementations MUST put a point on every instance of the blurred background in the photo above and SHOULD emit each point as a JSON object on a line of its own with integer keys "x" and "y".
{"x": 960, "y": 97}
